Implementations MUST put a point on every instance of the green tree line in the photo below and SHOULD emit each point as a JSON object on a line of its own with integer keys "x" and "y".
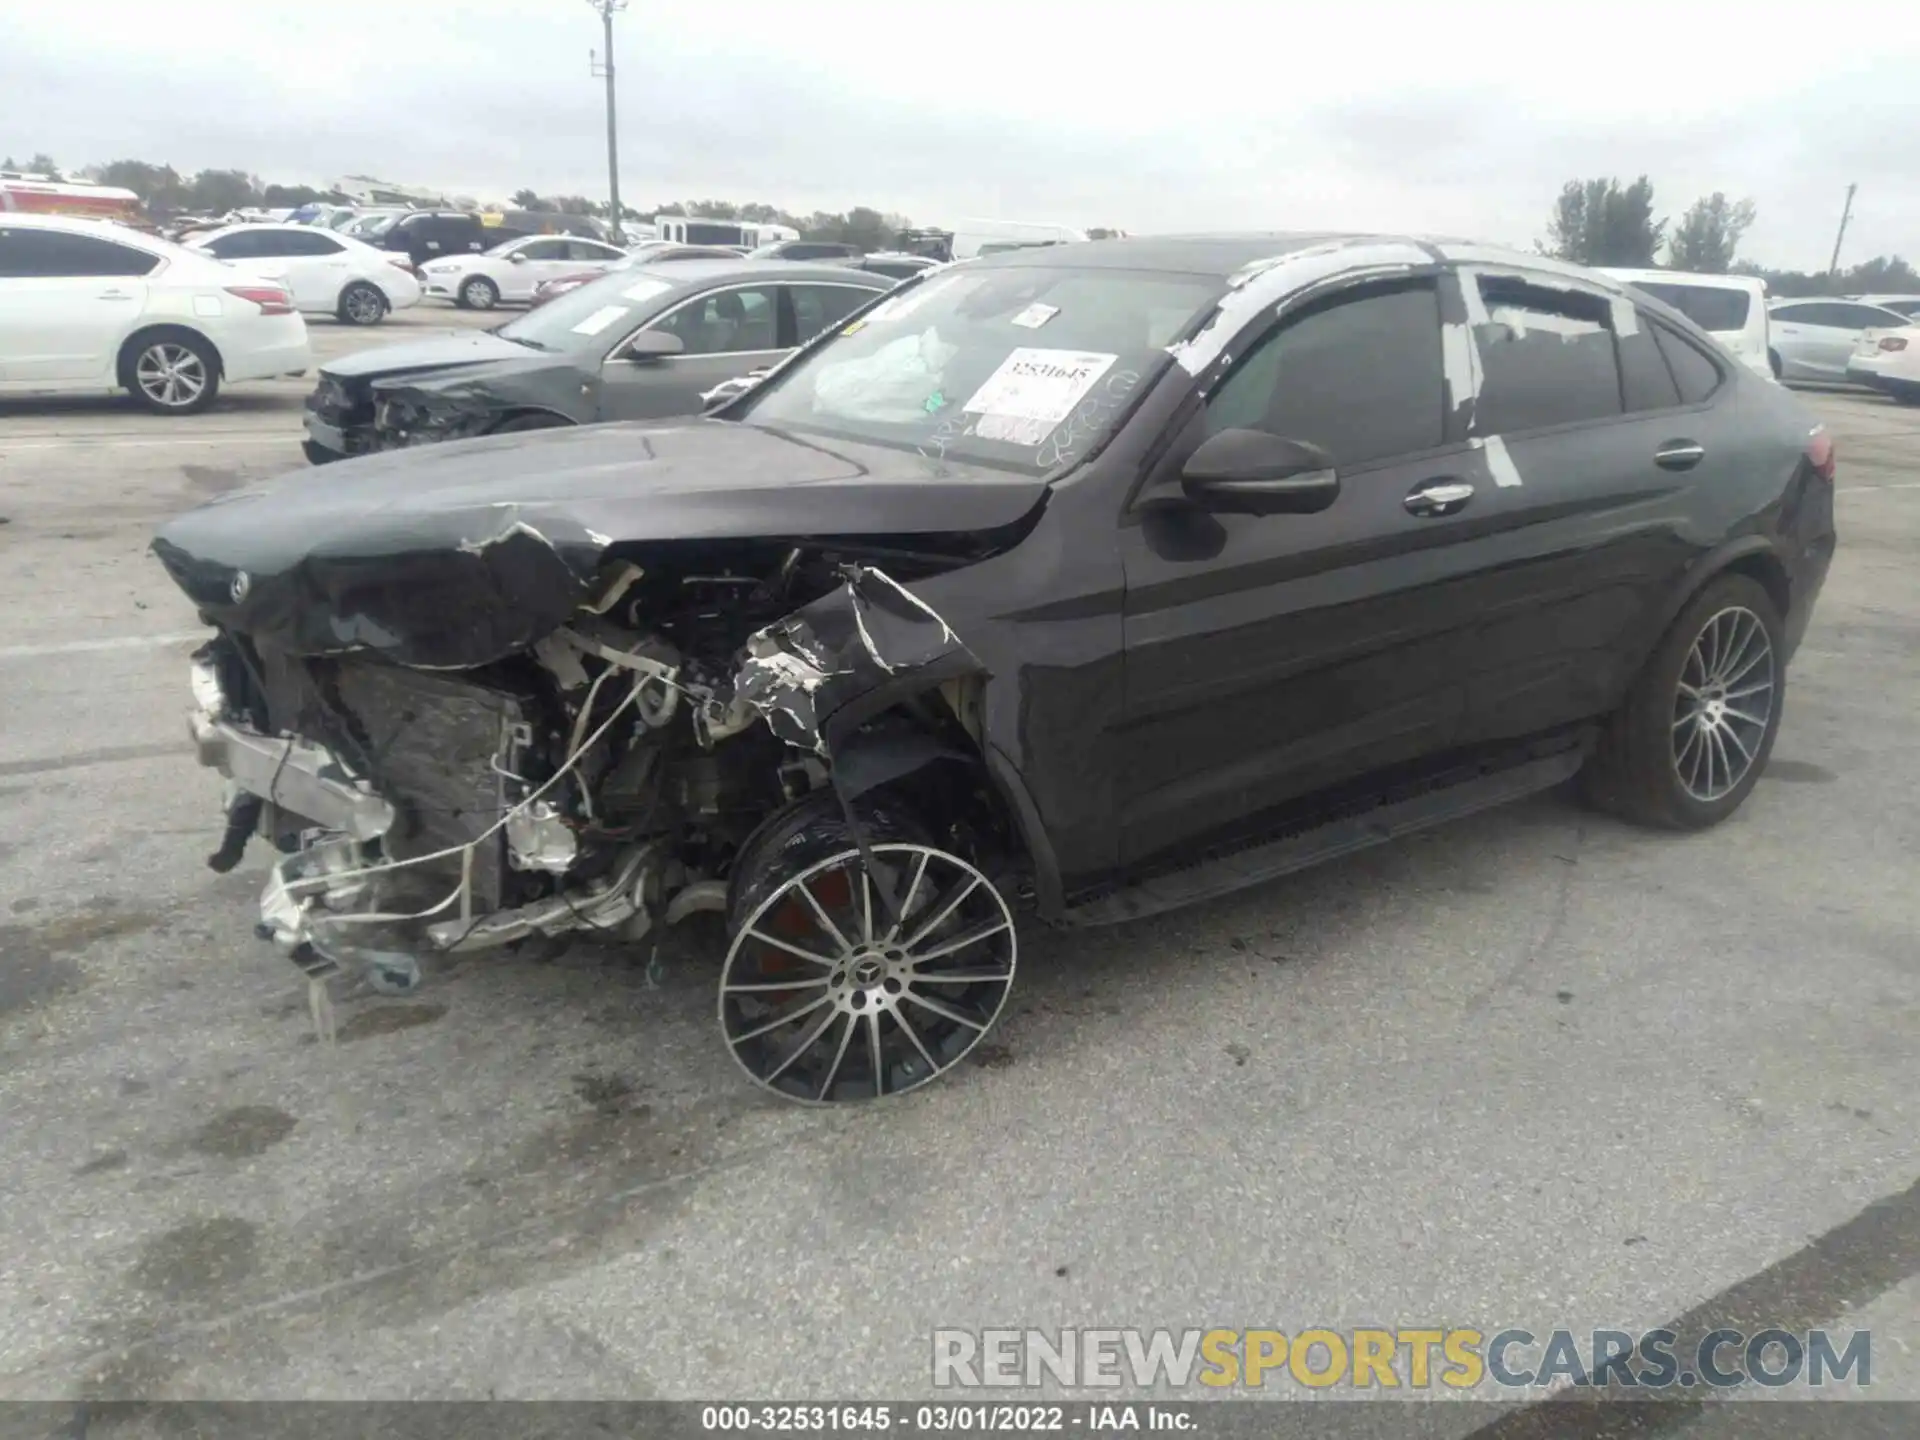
{"x": 1597, "y": 221}
{"x": 1602, "y": 222}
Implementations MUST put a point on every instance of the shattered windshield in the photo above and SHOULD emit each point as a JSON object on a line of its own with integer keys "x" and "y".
{"x": 1016, "y": 367}
{"x": 590, "y": 317}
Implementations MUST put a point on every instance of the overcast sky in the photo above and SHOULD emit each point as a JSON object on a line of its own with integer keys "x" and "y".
{"x": 1459, "y": 118}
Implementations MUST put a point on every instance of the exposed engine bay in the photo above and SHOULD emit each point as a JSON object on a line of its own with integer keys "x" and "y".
{"x": 605, "y": 780}
{"x": 591, "y": 682}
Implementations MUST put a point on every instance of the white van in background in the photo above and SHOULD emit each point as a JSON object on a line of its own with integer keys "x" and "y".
{"x": 1731, "y": 308}
{"x": 989, "y": 237}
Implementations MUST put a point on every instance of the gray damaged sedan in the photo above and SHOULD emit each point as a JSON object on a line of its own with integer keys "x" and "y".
{"x": 640, "y": 344}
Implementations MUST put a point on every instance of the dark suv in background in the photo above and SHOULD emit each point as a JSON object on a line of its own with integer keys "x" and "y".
{"x": 423, "y": 235}
{"x": 805, "y": 250}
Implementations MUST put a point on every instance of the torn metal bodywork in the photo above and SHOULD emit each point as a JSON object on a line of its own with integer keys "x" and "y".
{"x": 346, "y": 401}
{"x": 816, "y": 674}
{"x": 463, "y": 554}
{"x": 460, "y": 404}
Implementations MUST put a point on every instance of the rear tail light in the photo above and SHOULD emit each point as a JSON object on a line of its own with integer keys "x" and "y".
{"x": 270, "y": 301}
{"x": 1893, "y": 342}
{"x": 1820, "y": 453}
{"x": 403, "y": 263}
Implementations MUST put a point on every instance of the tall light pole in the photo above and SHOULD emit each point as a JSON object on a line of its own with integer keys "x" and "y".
{"x": 1845, "y": 215}
{"x": 608, "y": 9}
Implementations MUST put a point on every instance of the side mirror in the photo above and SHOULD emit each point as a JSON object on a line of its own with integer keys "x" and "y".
{"x": 652, "y": 345}
{"x": 1249, "y": 472}
{"x": 516, "y": 258}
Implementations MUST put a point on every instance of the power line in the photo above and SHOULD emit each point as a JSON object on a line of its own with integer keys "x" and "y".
{"x": 608, "y": 9}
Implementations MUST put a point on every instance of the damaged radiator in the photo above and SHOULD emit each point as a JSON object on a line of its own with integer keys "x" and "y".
{"x": 442, "y": 749}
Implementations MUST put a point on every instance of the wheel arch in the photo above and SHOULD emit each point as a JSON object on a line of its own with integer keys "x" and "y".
{"x": 899, "y": 742}
{"x": 355, "y": 281}
{"x": 129, "y": 348}
{"x": 1754, "y": 556}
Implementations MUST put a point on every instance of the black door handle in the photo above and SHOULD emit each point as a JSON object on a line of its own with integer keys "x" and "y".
{"x": 1446, "y": 496}
{"x": 1679, "y": 455}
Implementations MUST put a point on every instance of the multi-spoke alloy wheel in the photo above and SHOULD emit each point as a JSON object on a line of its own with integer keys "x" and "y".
{"x": 1723, "y": 703}
{"x": 1692, "y": 734}
{"x": 827, "y": 996}
{"x": 363, "y": 305}
{"x": 170, "y": 375}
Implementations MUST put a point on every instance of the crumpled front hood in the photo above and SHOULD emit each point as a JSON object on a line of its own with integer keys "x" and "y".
{"x": 449, "y": 352}
{"x": 459, "y": 554}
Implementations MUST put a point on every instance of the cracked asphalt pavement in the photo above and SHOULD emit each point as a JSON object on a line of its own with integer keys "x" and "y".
{"x": 1536, "y": 1069}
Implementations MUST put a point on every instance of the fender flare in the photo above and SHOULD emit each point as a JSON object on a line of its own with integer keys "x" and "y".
{"x": 867, "y": 759}
{"x": 1738, "y": 553}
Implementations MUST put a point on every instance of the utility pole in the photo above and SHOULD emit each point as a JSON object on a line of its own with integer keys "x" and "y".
{"x": 608, "y": 9}
{"x": 1833, "y": 265}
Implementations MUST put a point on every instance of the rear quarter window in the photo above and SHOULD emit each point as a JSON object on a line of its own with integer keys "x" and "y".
{"x": 1694, "y": 372}
{"x": 1646, "y": 382}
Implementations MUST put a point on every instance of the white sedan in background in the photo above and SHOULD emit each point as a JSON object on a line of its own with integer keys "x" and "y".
{"x": 1815, "y": 338}
{"x": 1889, "y": 361}
{"x": 515, "y": 269}
{"x": 91, "y": 307}
{"x": 330, "y": 274}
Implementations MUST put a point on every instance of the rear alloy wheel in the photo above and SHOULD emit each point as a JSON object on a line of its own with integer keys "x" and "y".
{"x": 1723, "y": 704}
{"x": 174, "y": 375}
{"x": 1698, "y": 725}
{"x": 362, "y": 304}
{"x": 479, "y": 293}
{"x": 825, "y": 999}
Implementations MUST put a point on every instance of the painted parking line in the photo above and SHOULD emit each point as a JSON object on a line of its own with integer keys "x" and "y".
{"x": 102, "y": 442}
{"x": 89, "y": 647}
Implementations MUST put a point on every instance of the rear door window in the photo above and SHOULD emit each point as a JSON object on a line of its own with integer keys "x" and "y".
{"x": 243, "y": 245}
{"x": 305, "y": 242}
{"x": 1547, "y": 357}
{"x": 1864, "y": 317}
{"x": 1358, "y": 376}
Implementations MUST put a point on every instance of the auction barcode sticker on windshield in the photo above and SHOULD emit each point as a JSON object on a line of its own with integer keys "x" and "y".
{"x": 1038, "y": 388}
{"x": 600, "y": 319}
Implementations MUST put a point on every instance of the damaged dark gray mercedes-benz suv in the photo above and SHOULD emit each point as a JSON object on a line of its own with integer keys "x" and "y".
{"x": 1071, "y": 585}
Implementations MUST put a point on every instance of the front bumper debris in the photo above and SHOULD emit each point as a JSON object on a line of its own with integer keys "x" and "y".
{"x": 291, "y": 775}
